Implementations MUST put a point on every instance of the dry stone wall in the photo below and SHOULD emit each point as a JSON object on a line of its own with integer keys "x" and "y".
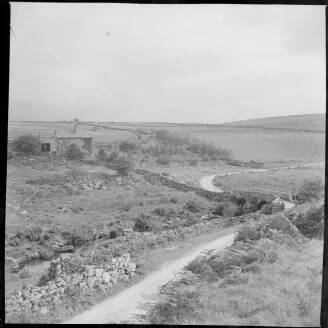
{"x": 90, "y": 277}
{"x": 153, "y": 178}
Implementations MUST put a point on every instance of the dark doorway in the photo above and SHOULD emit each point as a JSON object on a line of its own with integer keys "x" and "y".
{"x": 45, "y": 147}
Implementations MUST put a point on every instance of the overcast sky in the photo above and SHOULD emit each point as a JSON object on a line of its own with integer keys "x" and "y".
{"x": 173, "y": 63}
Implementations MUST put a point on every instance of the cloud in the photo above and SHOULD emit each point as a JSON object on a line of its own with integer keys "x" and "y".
{"x": 173, "y": 63}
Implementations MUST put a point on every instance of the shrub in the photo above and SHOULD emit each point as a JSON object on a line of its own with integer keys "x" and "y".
{"x": 102, "y": 155}
{"x": 26, "y": 144}
{"x": 115, "y": 233}
{"x": 191, "y": 206}
{"x": 146, "y": 223}
{"x": 227, "y": 209}
{"x": 74, "y": 152}
{"x": 174, "y": 200}
{"x": 112, "y": 157}
{"x": 33, "y": 233}
{"x": 171, "y": 138}
{"x": 77, "y": 236}
{"x": 127, "y": 146}
{"x": 264, "y": 228}
{"x": 310, "y": 189}
{"x": 248, "y": 232}
{"x": 163, "y": 160}
{"x": 122, "y": 165}
{"x": 142, "y": 225}
{"x": 311, "y": 224}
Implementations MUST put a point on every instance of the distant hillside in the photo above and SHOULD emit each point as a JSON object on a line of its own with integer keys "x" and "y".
{"x": 308, "y": 123}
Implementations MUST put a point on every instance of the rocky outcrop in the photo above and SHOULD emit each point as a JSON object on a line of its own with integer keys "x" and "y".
{"x": 88, "y": 277}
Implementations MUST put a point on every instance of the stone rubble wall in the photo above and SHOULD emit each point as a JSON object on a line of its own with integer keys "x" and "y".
{"x": 153, "y": 178}
{"x": 90, "y": 278}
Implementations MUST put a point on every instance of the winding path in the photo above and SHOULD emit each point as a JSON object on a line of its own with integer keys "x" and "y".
{"x": 126, "y": 306}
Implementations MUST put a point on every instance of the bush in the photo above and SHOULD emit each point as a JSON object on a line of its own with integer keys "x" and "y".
{"x": 115, "y": 233}
{"x": 112, "y": 157}
{"x": 122, "y": 165}
{"x": 174, "y": 200}
{"x": 163, "y": 160}
{"x": 193, "y": 207}
{"x": 264, "y": 228}
{"x": 142, "y": 225}
{"x": 127, "y": 146}
{"x": 26, "y": 144}
{"x": 33, "y": 233}
{"x": 227, "y": 209}
{"x": 146, "y": 223}
{"x": 74, "y": 152}
{"x": 102, "y": 155}
{"x": 77, "y": 236}
{"x": 310, "y": 189}
{"x": 311, "y": 224}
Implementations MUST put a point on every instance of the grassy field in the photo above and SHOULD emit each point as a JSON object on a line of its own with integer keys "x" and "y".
{"x": 314, "y": 122}
{"x": 256, "y": 144}
{"x": 287, "y": 181}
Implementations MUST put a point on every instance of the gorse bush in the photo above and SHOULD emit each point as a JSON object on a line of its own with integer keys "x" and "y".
{"x": 227, "y": 209}
{"x": 171, "y": 138}
{"x": 122, "y": 165}
{"x": 33, "y": 233}
{"x": 26, "y": 144}
{"x": 102, "y": 154}
{"x": 112, "y": 157}
{"x": 193, "y": 207}
{"x": 146, "y": 223}
{"x": 128, "y": 146}
{"x": 74, "y": 152}
{"x": 266, "y": 228}
{"x": 310, "y": 189}
{"x": 310, "y": 223}
{"x": 198, "y": 147}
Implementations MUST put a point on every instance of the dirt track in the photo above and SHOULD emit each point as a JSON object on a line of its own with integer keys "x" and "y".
{"x": 128, "y": 304}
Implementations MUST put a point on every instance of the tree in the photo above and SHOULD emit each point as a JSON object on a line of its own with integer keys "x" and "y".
{"x": 310, "y": 189}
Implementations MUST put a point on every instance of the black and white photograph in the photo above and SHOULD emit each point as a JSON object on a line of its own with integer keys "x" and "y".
{"x": 165, "y": 164}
